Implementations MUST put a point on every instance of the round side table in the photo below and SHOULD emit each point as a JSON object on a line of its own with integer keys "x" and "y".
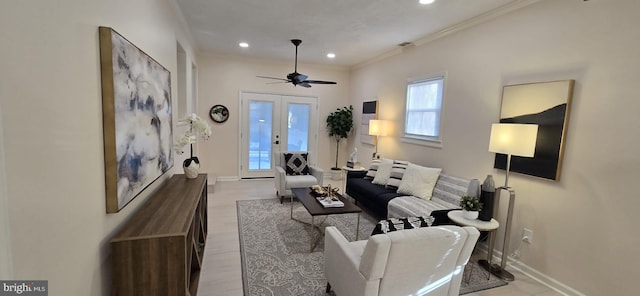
{"x": 490, "y": 226}
{"x": 345, "y": 171}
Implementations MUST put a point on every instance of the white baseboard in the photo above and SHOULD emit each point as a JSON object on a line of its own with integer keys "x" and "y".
{"x": 228, "y": 178}
{"x": 533, "y": 273}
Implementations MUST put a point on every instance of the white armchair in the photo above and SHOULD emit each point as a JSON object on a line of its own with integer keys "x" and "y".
{"x": 284, "y": 183}
{"x": 422, "y": 261}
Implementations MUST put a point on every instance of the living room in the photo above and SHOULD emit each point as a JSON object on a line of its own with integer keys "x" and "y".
{"x": 52, "y": 183}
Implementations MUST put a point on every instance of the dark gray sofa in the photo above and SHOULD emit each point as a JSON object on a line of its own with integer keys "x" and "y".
{"x": 384, "y": 202}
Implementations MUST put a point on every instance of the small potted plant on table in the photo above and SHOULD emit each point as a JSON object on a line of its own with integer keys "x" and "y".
{"x": 471, "y": 207}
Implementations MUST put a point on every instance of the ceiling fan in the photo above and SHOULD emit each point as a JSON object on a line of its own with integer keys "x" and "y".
{"x": 296, "y": 78}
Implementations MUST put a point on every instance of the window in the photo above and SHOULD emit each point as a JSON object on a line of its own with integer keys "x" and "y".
{"x": 423, "y": 112}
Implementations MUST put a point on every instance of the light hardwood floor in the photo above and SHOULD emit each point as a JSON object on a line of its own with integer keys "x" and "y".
{"x": 222, "y": 273}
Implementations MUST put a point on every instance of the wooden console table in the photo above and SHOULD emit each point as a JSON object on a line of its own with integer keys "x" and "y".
{"x": 159, "y": 250}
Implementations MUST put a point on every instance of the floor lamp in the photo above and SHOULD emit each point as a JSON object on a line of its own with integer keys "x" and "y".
{"x": 510, "y": 139}
{"x": 377, "y": 128}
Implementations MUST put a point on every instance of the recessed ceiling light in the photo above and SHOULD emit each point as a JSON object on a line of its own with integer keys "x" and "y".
{"x": 243, "y": 44}
{"x": 331, "y": 55}
{"x": 426, "y": 1}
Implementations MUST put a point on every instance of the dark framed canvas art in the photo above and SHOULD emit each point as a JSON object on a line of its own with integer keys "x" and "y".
{"x": 546, "y": 104}
{"x": 369, "y": 112}
{"x": 136, "y": 107}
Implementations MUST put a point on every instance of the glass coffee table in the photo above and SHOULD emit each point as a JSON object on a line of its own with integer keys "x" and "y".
{"x": 314, "y": 208}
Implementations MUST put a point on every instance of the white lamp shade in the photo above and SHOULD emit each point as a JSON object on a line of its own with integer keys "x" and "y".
{"x": 377, "y": 127}
{"x": 513, "y": 139}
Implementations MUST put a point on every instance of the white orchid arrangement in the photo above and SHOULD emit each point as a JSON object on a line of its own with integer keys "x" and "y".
{"x": 197, "y": 126}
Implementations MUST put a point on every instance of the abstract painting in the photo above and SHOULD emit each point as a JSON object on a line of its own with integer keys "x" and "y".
{"x": 138, "y": 133}
{"x": 369, "y": 112}
{"x": 546, "y": 104}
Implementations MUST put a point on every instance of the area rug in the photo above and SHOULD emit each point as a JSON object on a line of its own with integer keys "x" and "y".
{"x": 275, "y": 250}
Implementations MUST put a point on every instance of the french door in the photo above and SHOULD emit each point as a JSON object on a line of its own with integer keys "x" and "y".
{"x": 272, "y": 123}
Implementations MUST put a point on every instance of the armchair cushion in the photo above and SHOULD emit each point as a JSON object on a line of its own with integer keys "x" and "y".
{"x": 300, "y": 181}
{"x": 296, "y": 164}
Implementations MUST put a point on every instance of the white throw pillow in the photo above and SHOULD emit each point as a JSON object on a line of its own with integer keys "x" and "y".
{"x": 419, "y": 181}
{"x": 383, "y": 173}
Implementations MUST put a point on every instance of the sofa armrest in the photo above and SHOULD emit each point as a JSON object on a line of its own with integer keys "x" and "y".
{"x": 318, "y": 173}
{"x": 338, "y": 245}
{"x": 374, "y": 258}
{"x": 280, "y": 180}
{"x": 463, "y": 258}
{"x": 341, "y": 261}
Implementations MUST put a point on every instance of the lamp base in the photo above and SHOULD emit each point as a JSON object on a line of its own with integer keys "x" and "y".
{"x": 496, "y": 270}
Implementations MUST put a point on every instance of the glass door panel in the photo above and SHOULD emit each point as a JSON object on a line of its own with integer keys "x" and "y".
{"x": 260, "y": 127}
{"x": 298, "y": 118}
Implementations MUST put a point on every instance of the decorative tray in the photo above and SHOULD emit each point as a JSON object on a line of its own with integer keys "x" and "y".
{"x": 324, "y": 198}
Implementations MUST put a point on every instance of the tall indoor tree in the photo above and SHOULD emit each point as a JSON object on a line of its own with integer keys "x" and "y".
{"x": 339, "y": 124}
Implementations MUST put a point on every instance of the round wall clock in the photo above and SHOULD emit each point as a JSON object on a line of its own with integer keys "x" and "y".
{"x": 219, "y": 113}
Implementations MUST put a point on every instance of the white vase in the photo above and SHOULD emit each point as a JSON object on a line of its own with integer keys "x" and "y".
{"x": 191, "y": 167}
{"x": 470, "y": 215}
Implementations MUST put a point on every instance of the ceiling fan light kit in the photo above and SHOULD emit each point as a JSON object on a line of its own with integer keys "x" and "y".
{"x": 296, "y": 78}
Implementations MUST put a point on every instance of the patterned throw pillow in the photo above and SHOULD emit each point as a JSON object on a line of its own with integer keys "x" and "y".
{"x": 296, "y": 164}
{"x": 397, "y": 172}
{"x": 373, "y": 169}
{"x": 395, "y": 224}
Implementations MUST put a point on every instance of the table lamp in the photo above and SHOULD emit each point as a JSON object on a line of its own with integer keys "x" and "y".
{"x": 377, "y": 128}
{"x": 510, "y": 139}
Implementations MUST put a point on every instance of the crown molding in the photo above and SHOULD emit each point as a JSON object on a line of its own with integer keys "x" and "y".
{"x": 472, "y": 22}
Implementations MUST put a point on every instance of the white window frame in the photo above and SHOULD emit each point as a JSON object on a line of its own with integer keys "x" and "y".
{"x": 434, "y": 141}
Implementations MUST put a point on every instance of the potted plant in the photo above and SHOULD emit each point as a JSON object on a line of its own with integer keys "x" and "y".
{"x": 339, "y": 124}
{"x": 471, "y": 207}
{"x": 197, "y": 127}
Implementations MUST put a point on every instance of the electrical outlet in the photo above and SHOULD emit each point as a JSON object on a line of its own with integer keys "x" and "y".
{"x": 527, "y": 235}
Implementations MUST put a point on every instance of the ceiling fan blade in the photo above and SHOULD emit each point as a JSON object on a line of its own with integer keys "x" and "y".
{"x": 274, "y": 78}
{"x": 300, "y": 78}
{"x": 278, "y": 82}
{"x": 318, "y": 82}
{"x": 304, "y": 84}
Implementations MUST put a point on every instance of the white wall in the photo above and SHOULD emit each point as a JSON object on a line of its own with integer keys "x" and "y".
{"x": 181, "y": 109}
{"x": 585, "y": 225}
{"x": 50, "y": 94}
{"x": 221, "y": 79}
{"x": 6, "y": 268}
